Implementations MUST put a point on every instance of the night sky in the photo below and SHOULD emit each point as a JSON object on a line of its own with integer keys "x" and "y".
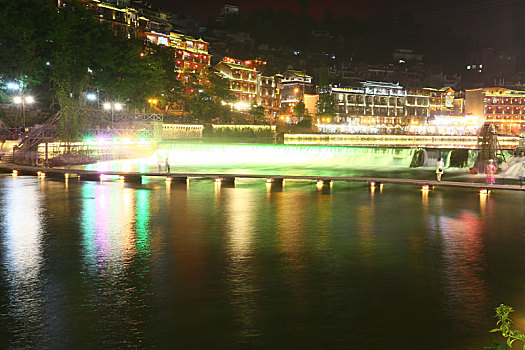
{"x": 491, "y": 21}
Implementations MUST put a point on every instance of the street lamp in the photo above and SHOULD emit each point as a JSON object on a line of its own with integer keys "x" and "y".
{"x": 113, "y": 107}
{"x": 23, "y": 100}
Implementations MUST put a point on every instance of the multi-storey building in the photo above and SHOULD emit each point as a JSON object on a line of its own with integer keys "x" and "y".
{"x": 295, "y": 85}
{"x": 441, "y": 100}
{"x": 270, "y": 94}
{"x": 388, "y": 104}
{"x": 371, "y": 104}
{"x": 191, "y": 55}
{"x": 503, "y": 107}
{"x": 255, "y": 64}
{"x": 243, "y": 80}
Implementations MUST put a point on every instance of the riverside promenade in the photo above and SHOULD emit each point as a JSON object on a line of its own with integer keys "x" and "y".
{"x": 93, "y": 175}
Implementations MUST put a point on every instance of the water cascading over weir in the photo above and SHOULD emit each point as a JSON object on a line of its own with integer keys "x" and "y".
{"x": 314, "y": 156}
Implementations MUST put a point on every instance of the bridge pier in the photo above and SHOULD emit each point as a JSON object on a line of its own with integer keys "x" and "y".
{"x": 135, "y": 178}
{"x": 177, "y": 179}
{"x": 227, "y": 181}
{"x": 275, "y": 183}
{"x": 89, "y": 177}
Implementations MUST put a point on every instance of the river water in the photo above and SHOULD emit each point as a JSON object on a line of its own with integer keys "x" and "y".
{"x": 200, "y": 265}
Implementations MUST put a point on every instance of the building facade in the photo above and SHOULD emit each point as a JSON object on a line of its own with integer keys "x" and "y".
{"x": 295, "y": 85}
{"x": 386, "y": 105}
{"x": 244, "y": 83}
{"x": 503, "y": 107}
{"x": 270, "y": 88}
{"x": 191, "y": 55}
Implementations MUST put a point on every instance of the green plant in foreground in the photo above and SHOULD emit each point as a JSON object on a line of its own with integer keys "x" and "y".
{"x": 504, "y": 323}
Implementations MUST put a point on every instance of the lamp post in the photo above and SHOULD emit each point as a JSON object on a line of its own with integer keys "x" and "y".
{"x": 113, "y": 107}
{"x": 22, "y": 100}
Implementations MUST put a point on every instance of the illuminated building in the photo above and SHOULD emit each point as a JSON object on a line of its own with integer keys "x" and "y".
{"x": 295, "y": 85}
{"x": 158, "y": 38}
{"x": 270, "y": 94}
{"x": 441, "y": 100}
{"x": 385, "y": 105}
{"x": 243, "y": 81}
{"x": 191, "y": 55}
{"x": 311, "y": 102}
{"x": 127, "y": 18}
{"x": 503, "y": 107}
{"x": 253, "y": 64}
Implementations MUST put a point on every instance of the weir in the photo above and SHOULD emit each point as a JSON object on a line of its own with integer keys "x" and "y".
{"x": 191, "y": 153}
{"x": 308, "y": 156}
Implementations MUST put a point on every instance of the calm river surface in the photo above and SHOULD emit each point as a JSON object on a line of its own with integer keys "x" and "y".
{"x": 113, "y": 265}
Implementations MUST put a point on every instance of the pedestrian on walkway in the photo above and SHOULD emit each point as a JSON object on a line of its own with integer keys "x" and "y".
{"x": 439, "y": 168}
{"x": 167, "y": 165}
{"x": 490, "y": 171}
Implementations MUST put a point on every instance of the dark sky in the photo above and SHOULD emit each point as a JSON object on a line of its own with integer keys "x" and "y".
{"x": 491, "y": 20}
{"x": 361, "y": 9}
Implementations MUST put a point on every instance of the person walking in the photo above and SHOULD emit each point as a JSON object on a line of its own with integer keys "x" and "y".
{"x": 490, "y": 171}
{"x": 167, "y": 165}
{"x": 439, "y": 168}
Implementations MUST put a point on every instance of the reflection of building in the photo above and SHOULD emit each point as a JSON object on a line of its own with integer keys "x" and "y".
{"x": 295, "y": 85}
{"x": 243, "y": 81}
{"x": 387, "y": 105}
{"x": 505, "y": 108}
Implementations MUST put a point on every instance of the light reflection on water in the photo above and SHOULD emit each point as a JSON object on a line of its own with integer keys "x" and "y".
{"x": 22, "y": 260}
{"x": 206, "y": 265}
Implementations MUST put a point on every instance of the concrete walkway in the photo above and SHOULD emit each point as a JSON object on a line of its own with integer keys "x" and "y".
{"x": 93, "y": 175}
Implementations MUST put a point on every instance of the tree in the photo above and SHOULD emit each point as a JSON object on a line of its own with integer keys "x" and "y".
{"x": 257, "y": 112}
{"x": 325, "y": 105}
{"x": 207, "y": 95}
{"x": 299, "y": 109}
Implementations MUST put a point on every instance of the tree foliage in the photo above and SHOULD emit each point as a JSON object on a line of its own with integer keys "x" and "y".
{"x": 299, "y": 109}
{"x": 62, "y": 53}
{"x": 205, "y": 95}
{"x": 257, "y": 111}
{"x": 325, "y": 105}
{"x": 70, "y": 52}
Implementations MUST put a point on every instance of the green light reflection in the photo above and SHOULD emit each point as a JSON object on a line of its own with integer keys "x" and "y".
{"x": 142, "y": 221}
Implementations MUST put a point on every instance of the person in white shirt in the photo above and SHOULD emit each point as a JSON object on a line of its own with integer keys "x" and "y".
{"x": 439, "y": 169}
